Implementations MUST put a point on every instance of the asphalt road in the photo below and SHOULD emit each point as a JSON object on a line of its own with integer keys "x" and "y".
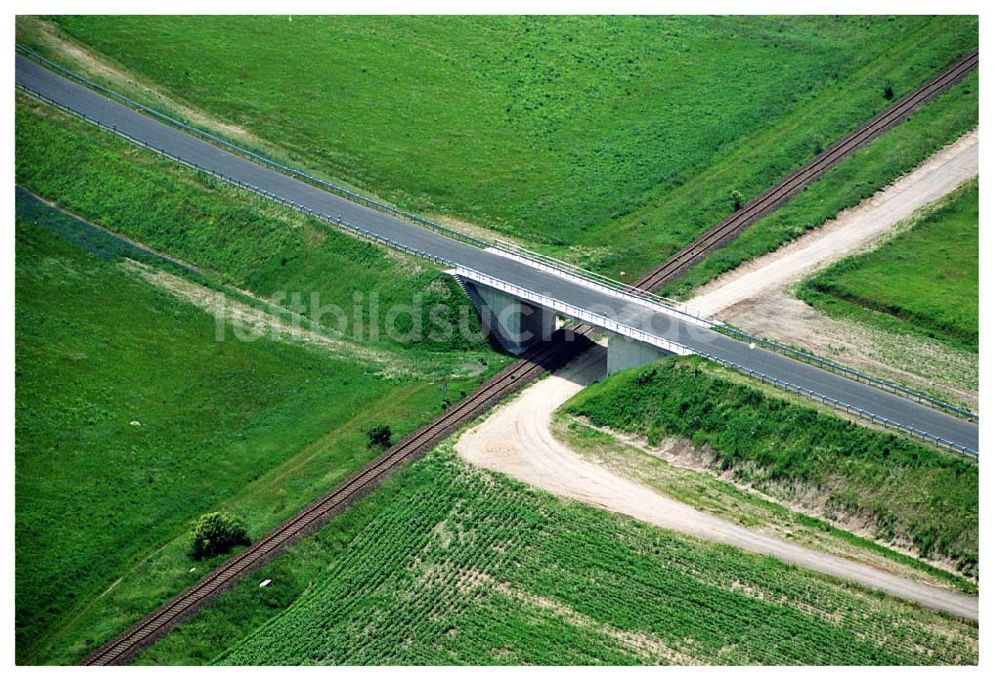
{"x": 36, "y": 78}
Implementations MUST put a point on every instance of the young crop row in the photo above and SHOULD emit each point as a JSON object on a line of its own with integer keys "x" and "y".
{"x": 132, "y": 419}
{"x": 466, "y": 567}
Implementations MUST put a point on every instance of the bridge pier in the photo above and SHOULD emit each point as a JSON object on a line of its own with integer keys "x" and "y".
{"x": 625, "y": 353}
{"x": 516, "y": 324}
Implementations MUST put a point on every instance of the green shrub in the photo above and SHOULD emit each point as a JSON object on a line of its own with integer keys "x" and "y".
{"x": 386, "y": 596}
{"x": 379, "y": 436}
{"x": 217, "y": 533}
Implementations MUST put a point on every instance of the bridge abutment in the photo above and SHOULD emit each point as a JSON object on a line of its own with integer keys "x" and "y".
{"x": 516, "y": 324}
{"x": 625, "y": 353}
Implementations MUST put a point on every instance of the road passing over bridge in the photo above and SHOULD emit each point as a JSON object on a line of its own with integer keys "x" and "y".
{"x": 561, "y": 291}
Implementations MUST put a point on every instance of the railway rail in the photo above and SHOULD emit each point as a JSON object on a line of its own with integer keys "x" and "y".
{"x": 769, "y": 200}
{"x": 544, "y": 357}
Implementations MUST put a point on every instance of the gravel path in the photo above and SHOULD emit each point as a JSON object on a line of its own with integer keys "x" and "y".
{"x": 516, "y": 440}
{"x": 756, "y": 294}
{"x": 555, "y": 286}
{"x": 852, "y": 230}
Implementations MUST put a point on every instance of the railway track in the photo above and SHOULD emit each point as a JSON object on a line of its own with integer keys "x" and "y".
{"x": 544, "y": 357}
{"x": 769, "y": 200}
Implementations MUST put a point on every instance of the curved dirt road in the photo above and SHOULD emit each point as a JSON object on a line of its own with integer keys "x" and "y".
{"x": 516, "y": 440}
{"x": 849, "y": 232}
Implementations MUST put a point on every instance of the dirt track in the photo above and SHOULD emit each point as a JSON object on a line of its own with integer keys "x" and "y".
{"x": 851, "y": 231}
{"x": 757, "y": 293}
{"x": 516, "y": 439}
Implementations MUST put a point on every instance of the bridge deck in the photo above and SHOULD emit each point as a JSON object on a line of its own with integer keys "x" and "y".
{"x": 36, "y": 78}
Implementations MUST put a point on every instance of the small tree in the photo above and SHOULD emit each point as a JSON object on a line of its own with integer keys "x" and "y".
{"x": 887, "y": 91}
{"x": 737, "y": 198}
{"x": 216, "y": 533}
{"x": 379, "y": 436}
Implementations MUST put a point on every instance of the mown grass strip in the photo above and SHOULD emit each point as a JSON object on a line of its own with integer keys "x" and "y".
{"x": 924, "y": 281}
{"x": 907, "y": 492}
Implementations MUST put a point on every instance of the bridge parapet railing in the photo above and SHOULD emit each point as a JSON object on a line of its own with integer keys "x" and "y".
{"x": 634, "y": 333}
{"x": 572, "y": 311}
{"x": 547, "y": 263}
{"x": 604, "y": 283}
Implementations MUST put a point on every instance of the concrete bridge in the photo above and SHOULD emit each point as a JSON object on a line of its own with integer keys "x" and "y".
{"x": 519, "y": 317}
{"x": 641, "y": 328}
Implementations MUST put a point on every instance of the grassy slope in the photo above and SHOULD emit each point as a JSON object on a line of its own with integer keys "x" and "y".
{"x": 454, "y": 565}
{"x": 95, "y": 493}
{"x": 900, "y": 150}
{"x": 905, "y": 489}
{"x": 925, "y": 280}
{"x": 709, "y": 492}
{"x": 623, "y": 131}
{"x": 429, "y": 202}
{"x": 259, "y": 428}
{"x": 193, "y": 217}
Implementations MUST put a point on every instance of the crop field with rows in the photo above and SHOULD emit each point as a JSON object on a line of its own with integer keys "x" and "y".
{"x": 104, "y": 506}
{"x": 610, "y": 142}
{"x": 462, "y": 566}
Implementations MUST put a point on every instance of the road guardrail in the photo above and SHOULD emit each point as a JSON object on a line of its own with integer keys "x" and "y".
{"x": 254, "y": 156}
{"x": 846, "y": 407}
{"x": 580, "y": 313}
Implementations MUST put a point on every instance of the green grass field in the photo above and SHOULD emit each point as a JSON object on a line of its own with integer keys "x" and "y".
{"x": 259, "y": 428}
{"x": 610, "y": 141}
{"x": 908, "y": 493}
{"x": 614, "y": 157}
{"x": 925, "y": 280}
{"x": 455, "y": 565}
{"x": 894, "y": 153}
{"x": 237, "y": 238}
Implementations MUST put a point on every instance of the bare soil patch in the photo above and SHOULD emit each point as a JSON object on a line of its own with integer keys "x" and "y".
{"x": 860, "y": 227}
{"x": 758, "y": 294}
{"x": 918, "y": 362}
